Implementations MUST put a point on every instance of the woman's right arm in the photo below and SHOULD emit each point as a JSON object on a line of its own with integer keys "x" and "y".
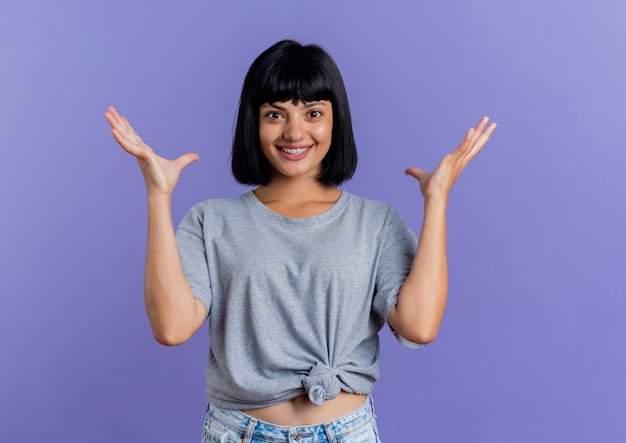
{"x": 174, "y": 313}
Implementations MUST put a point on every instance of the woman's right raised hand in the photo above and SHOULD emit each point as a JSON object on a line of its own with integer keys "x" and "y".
{"x": 160, "y": 174}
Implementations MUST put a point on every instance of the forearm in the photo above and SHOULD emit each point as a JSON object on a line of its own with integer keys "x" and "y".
{"x": 171, "y": 307}
{"x": 422, "y": 299}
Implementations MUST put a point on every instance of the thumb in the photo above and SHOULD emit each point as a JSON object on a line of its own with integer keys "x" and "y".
{"x": 415, "y": 172}
{"x": 186, "y": 159}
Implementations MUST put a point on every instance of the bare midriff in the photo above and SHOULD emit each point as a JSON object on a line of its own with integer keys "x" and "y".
{"x": 301, "y": 412}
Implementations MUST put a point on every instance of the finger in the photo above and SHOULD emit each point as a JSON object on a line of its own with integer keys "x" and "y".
{"x": 112, "y": 115}
{"x": 123, "y": 127}
{"x": 118, "y": 121}
{"x": 480, "y": 135}
{"x": 486, "y": 135}
{"x": 186, "y": 159}
{"x": 478, "y": 129}
{"x": 465, "y": 145}
{"x": 128, "y": 145}
{"x": 482, "y": 123}
{"x": 127, "y": 124}
{"x": 415, "y": 172}
{"x": 112, "y": 110}
{"x": 483, "y": 139}
{"x": 115, "y": 120}
{"x": 478, "y": 145}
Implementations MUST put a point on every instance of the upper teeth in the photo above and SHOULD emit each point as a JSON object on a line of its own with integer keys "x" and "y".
{"x": 294, "y": 151}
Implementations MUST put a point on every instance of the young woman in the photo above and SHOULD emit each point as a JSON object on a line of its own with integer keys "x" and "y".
{"x": 296, "y": 276}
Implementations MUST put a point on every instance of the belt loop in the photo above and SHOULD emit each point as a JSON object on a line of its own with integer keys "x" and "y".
{"x": 249, "y": 430}
{"x": 370, "y": 399}
{"x": 328, "y": 427}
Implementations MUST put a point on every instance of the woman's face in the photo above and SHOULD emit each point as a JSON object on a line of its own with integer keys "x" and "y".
{"x": 295, "y": 137}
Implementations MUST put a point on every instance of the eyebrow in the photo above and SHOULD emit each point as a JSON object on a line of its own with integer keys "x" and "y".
{"x": 306, "y": 105}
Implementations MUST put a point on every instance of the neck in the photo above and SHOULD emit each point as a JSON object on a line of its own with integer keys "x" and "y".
{"x": 298, "y": 199}
{"x": 296, "y": 191}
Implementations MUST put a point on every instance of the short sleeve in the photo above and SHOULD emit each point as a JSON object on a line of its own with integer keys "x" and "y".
{"x": 193, "y": 256}
{"x": 398, "y": 250}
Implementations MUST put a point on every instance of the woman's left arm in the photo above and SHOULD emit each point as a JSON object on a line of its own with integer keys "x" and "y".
{"x": 422, "y": 298}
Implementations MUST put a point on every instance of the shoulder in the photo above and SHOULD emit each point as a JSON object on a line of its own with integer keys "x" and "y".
{"x": 219, "y": 205}
{"x": 214, "y": 211}
{"x": 382, "y": 217}
{"x": 371, "y": 208}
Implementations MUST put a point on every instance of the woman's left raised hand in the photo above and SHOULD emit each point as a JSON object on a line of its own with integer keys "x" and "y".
{"x": 439, "y": 182}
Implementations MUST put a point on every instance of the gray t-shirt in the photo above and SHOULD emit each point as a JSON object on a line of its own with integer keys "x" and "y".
{"x": 295, "y": 304}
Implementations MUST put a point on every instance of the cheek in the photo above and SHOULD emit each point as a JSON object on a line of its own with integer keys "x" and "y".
{"x": 324, "y": 133}
{"x": 266, "y": 135}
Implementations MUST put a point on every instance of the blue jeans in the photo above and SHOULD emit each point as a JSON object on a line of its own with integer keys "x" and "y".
{"x": 226, "y": 426}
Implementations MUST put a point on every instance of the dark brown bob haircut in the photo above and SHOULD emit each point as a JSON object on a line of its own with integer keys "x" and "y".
{"x": 286, "y": 71}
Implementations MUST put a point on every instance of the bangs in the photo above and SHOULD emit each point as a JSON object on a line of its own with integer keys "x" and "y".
{"x": 293, "y": 80}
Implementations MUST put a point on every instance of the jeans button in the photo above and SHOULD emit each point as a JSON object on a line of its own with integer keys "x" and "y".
{"x": 297, "y": 436}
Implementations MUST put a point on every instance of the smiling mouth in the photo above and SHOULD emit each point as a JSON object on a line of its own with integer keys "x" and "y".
{"x": 295, "y": 151}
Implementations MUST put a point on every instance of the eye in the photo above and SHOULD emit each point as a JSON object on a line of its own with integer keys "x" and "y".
{"x": 315, "y": 114}
{"x": 273, "y": 115}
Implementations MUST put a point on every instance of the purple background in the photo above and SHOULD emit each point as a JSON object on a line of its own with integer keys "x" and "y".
{"x": 531, "y": 348}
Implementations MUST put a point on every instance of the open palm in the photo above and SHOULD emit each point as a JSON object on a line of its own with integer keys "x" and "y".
{"x": 160, "y": 174}
{"x": 440, "y": 181}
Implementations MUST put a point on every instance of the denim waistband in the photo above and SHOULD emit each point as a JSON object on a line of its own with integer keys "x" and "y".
{"x": 251, "y": 427}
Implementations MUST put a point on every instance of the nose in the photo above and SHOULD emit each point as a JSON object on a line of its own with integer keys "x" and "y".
{"x": 294, "y": 129}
